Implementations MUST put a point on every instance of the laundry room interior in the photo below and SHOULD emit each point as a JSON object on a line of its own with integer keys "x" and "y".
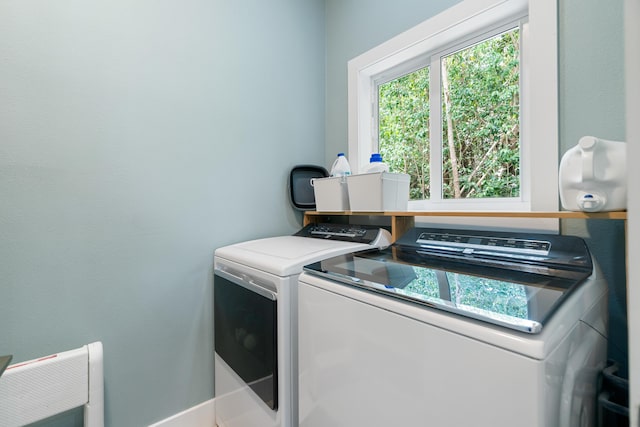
{"x": 140, "y": 138}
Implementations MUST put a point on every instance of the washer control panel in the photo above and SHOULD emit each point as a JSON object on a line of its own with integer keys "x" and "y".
{"x": 346, "y": 232}
{"x": 469, "y": 244}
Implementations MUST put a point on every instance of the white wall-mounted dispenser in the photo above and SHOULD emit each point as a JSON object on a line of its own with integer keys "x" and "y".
{"x": 593, "y": 176}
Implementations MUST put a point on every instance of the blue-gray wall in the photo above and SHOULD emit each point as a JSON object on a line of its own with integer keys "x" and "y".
{"x": 135, "y": 138}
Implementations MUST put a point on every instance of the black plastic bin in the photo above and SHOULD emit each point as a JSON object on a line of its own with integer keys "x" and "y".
{"x": 613, "y": 400}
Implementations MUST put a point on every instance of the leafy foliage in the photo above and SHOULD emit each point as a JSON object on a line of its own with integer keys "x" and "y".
{"x": 404, "y": 128}
{"x": 486, "y": 294}
{"x": 480, "y": 122}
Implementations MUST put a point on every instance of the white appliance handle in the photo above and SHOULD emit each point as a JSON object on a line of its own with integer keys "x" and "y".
{"x": 249, "y": 284}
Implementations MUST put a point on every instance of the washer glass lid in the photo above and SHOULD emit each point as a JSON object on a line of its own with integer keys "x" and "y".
{"x": 520, "y": 296}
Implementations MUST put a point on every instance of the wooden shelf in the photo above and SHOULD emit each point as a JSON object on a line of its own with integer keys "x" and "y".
{"x": 401, "y": 221}
{"x": 558, "y": 214}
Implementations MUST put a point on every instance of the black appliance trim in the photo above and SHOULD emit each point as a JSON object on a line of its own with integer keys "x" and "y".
{"x": 240, "y": 307}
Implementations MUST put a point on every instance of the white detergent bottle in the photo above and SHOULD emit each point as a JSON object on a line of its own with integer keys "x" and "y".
{"x": 593, "y": 176}
{"x": 376, "y": 164}
{"x": 341, "y": 166}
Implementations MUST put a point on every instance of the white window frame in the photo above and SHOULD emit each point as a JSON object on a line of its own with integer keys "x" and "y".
{"x": 539, "y": 107}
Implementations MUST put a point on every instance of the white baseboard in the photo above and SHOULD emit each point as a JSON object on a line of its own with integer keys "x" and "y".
{"x": 201, "y": 415}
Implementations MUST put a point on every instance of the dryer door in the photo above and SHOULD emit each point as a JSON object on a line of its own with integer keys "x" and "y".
{"x": 245, "y": 324}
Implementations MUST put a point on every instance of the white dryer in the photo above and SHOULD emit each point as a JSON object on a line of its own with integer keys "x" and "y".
{"x": 453, "y": 328}
{"x": 255, "y": 320}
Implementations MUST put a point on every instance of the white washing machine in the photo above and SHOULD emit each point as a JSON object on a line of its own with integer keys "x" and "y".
{"x": 453, "y": 328}
{"x": 255, "y": 320}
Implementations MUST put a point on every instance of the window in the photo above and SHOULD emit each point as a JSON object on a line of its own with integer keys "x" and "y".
{"x": 480, "y": 127}
{"x": 450, "y": 102}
